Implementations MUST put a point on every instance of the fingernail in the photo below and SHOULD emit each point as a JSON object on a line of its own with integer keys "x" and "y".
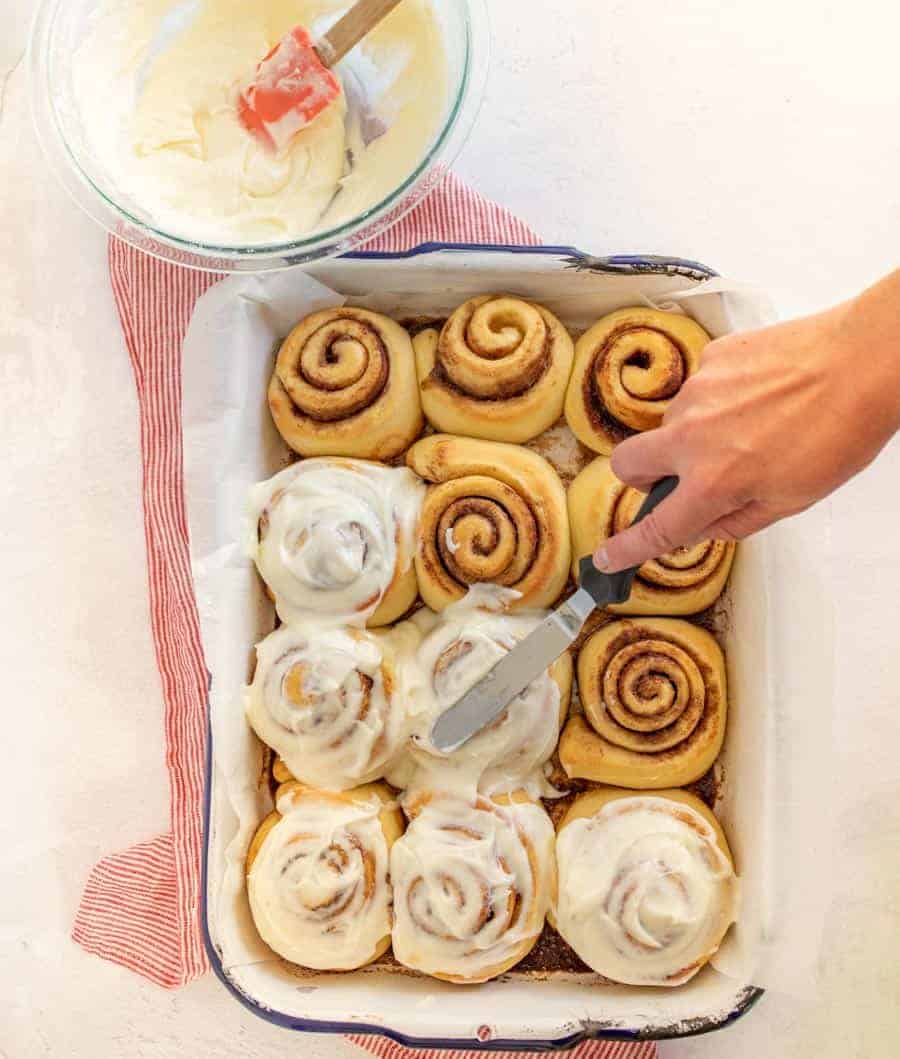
{"x": 601, "y": 559}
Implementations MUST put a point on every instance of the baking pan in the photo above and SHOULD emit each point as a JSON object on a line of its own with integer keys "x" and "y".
{"x": 230, "y": 442}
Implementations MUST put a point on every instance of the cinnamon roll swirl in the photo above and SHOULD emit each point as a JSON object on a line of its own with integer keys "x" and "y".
{"x": 331, "y": 702}
{"x": 495, "y": 514}
{"x": 683, "y": 581}
{"x": 461, "y": 646}
{"x": 647, "y": 887}
{"x": 497, "y": 370}
{"x": 345, "y": 385}
{"x": 334, "y": 540}
{"x": 472, "y": 885}
{"x": 628, "y": 367}
{"x": 654, "y": 697}
{"x": 317, "y": 875}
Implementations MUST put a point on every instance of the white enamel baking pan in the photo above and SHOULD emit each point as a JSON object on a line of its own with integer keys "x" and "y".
{"x": 777, "y": 644}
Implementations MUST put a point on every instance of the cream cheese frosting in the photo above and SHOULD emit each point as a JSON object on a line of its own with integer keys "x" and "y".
{"x": 318, "y": 887}
{"x": 330, "y": 536}
{"x": 156, "y": 84}
{"x": 645, "y": 891}
{"x": 458, "y": 647}
{"x": 472, "y": 884}
{"x": 331, "y": 702}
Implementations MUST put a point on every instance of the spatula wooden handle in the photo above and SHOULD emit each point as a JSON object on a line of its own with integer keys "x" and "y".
{"x": 350, "y": 30}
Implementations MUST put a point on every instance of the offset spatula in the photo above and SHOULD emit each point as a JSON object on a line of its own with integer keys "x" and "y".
{"x": 528, "y": 659}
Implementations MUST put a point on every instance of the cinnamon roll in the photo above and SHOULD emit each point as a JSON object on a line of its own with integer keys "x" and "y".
{"x": 334, "y": 540}
{"x": 345, "y": 385}
{"x": 495, "y": 514}
{"x": 647, "y": 887}
{"x": 683, "y": 581}
{"x": 317, "y": 875}
{"x": 654, "y": 697}
{"x": 462, "y": 645}
{"x": 331, "y": 701}
{"x": 472, "y": 885}
{"x": 628, "y": 367}
{"x": 498, "y": 369}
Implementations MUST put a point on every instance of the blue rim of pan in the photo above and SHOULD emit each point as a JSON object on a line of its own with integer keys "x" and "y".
{"x": 621, "y": 264}
{"x": 575, "y": 259}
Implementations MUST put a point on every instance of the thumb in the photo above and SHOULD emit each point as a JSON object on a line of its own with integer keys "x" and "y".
{"x": 680, "y": 519}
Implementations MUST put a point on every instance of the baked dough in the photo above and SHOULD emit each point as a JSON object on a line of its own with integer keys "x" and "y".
{"x": 472, "y": 885}
{"x": 628, "y": 367}
{"x": 458, "y": 648}
{"x": 494, "y": 514}
{"x": 655, "y": 703}
{"x": 332, "y": 701}
{"x": 333, "y": 540}
{"x": 317, "y": 875}
{"x": 345, "y": 385}
{"x": 684, "y": 581}
{"x": 497, "y": 369}
{"x": 647, "y": 887}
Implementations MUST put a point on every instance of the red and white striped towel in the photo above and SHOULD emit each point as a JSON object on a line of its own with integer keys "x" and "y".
{"x": 140, "y": 908}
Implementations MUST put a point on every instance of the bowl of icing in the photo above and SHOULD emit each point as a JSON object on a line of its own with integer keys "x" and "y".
{"x": 135, "y": 108}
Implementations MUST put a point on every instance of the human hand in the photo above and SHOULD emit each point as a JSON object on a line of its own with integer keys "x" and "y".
{"x": 773, "y": 421}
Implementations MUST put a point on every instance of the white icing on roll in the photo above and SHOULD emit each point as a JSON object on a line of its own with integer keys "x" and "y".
{"x": 461, "y": 645}
{"x": 645, "y": 892}
{"x": 471, "y": 887}
{"x": 318, "y": 887}
{"x": 329, "y": 536}
{"x": 331, "y": 702}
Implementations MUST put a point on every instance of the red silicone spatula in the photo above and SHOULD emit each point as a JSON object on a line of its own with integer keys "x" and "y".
{"x": 294, "y": 83}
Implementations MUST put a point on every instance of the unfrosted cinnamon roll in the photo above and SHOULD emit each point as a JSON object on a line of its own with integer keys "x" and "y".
{"x": 654, "y": 698}
{"x": 317, "y": 875}
{"x": 331, "y": 701}
{"x": 684, "y": 581}
{"x": 647, "y": 887}
{"x": 345, "y": 385}
{"x": 628, "y": 367}
{"x": 498, "y": 369}
{"x": 472, "y": 885}
{"x": 333, "y": 540}
{"x": 495, "y": 514}
{"x": 462, "y": 645}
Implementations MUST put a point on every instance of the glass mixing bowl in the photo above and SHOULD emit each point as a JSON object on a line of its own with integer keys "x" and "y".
{"x": 60, "y": 25}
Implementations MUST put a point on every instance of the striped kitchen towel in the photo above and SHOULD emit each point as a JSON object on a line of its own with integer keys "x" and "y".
{"x": 140, "y": 907}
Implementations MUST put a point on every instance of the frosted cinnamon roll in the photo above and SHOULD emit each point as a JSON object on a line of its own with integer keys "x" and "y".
{"x": 334, "y": 540}
{"x": 317, "y": 875}
{"x": 647, "y": 887}
{"x": 331, "y": 702}
{"x": 461, "y": 646}
{"x": 472, "y": 885}
{"x": 498, "y": 369}
{"x": 683, "y": 581}
{"x": 628, "y": 367}
{"x": 496, "y": 514}
{"x": 345, "y": 385}
{"x": 654, "y": 697}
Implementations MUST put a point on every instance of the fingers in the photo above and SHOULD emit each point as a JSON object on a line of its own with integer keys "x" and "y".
{"x": 643, "y": 459}
{"x": 680, "y": 519}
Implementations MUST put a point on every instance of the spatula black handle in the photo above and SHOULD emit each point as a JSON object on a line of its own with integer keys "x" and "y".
{"x": 621, "y": 582}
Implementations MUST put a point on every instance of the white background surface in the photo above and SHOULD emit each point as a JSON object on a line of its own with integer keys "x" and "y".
{"x": 760, "y": 138}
